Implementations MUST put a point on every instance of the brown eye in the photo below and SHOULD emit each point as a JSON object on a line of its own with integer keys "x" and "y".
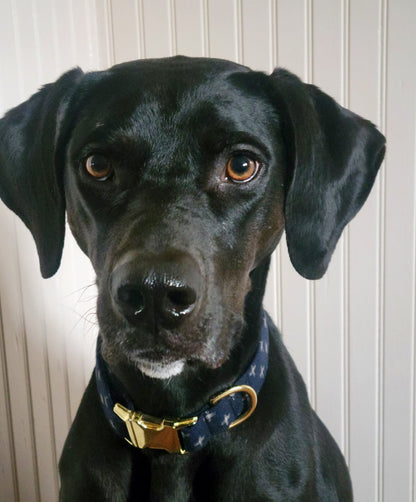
{"x": 241, "y": 168}
{"x": 99, "y": 167}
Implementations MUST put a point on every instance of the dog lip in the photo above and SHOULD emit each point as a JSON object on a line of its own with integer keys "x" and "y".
{"x": 160, "y": 356}
{"x": 163, "y": 356}
{"x": 159, "y": 368}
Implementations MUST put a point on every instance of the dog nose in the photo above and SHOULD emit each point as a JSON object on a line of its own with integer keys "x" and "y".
{"x": 156, "y": 289}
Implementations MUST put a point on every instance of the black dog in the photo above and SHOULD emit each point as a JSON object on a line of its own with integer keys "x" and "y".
{"x": 178, "y": 177}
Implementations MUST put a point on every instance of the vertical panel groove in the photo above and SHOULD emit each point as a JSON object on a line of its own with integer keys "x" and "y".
{"x": 275, "y": 276}
{"x": 32, "y": 431}
{"x": 50, "y": 415}
{"x": 31, "y": 417}
{"x": 66, "y": 381}
{"x": 345, "y": 43}
{"x": 141, "y": 28}
{"x": 382, "y": 110}
{"x": 238, "y": 19}
{"x": 308, "y": 19}
{"x": 110, "y": 31}
{"x": 205, "y": 28}
{"x": 6, "y": 390}
{"x": 413, "y": 361}
{"x": 276, "y": 257}
{"x": 68, "y": 386}
{"x": 279, "y": 289}
{"x": 173, "y": 46}
{"x": 137, "y": 29}
{"x": 311, "y": 323}
{"x": 273, "y": 34}
{"x": 311, "y": 287}
{"x": 345, "y": 290}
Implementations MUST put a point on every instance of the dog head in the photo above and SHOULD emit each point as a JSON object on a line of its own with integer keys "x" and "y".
{"x": 178, "y": 177}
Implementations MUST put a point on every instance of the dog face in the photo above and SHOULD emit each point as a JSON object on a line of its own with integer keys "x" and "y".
{"x": 174, "y": 189}
{"x": 178, "y": 177}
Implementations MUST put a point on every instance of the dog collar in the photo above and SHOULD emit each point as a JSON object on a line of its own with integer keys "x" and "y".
{"x": 224, "y": 411}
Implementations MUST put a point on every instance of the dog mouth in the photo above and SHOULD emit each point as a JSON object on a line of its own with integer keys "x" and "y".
{"x": 162, "y": 368}
{"x": 165, "y": 362}
{"x": 162, "y": 360}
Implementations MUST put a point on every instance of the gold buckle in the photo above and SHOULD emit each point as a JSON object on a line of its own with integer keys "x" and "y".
{"x": 146, "y": 431}
{"x": 239, "y": 388}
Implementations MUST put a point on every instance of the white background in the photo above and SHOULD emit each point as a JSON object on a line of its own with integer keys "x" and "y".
{"x": 352, "y": 333}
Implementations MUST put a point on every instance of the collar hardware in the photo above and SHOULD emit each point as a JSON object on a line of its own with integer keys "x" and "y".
{"x": 229, "y": 392}
{"x": 221, "y": 413}
{"x": 146, "y": 431}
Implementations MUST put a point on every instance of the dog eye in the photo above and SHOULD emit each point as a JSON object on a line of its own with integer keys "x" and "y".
{"x": 241, "y": 168}
{"x": 99, "y": 167}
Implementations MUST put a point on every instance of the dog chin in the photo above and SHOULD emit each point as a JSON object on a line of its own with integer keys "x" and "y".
{"x": 162, "y": 371}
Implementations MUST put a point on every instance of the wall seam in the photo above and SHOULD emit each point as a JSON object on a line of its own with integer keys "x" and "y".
{"x": 413, "y": 348}
{"x": 110, "y": 32}
{"x": 345, "y": 290}
{"x": 273, "y": 34}
{"x": 238, "y": 16}
{"x": 382, "y": 112}
{"x": 205, "y": 28}
{"x": 6, "y": 386}
{"x": 142, "y": 28}
{"x": 311, "y": 286}
{"x": 173, "y": 42}
{"x": 139, "y": 32}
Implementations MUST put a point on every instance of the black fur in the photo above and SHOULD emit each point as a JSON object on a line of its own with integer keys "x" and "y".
{"x": 181, "y": 253}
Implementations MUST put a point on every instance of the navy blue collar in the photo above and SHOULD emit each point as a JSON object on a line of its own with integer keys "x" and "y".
{"x": 224, "y": 411}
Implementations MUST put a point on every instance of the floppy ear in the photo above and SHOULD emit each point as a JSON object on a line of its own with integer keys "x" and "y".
{"x": 30, "y": 183}
{"x": 335, "y": 156}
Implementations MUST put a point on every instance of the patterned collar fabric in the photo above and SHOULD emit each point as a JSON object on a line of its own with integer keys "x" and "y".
{"x": 212, "y": 419}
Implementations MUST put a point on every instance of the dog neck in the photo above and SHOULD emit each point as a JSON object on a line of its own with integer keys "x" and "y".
{"x": 224, "y": 411}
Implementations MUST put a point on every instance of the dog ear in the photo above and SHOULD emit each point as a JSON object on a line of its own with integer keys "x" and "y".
{"x": 30, "y": 179}
{"x": 335, "y": 156}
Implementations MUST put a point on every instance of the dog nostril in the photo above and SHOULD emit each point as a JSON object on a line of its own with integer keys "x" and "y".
{"x": 180, "y": 301}
{"x": 182, "y": 297}
{"x": 131, "y": 297}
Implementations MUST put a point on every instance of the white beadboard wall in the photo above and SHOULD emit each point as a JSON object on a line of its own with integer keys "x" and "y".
{"x": 352, "y": 334}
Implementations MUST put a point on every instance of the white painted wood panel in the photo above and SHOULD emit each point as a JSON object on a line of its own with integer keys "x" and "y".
{"x": 399, "y": 258}
{"x": 365, "y": 77}
{"x": 158, "y": 29}
{"x": 325, "y": 58}
{"x": 222, "y": 29}
{"x": 297, "y": 310}
{"x": 189, "y": 27}
{"x": 352, "y": 334}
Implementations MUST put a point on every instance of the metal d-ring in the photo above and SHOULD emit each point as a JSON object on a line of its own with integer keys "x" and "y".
{"x": 246, "y": 389}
